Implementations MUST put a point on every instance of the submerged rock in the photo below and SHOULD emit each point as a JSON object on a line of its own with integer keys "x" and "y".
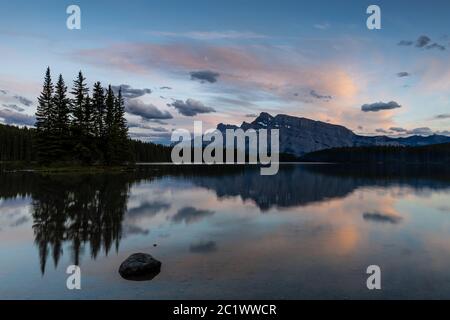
{"x": 140, "y": 267}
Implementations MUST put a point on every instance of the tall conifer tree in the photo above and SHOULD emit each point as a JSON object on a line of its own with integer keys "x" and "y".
{"x": 44, "y": 118}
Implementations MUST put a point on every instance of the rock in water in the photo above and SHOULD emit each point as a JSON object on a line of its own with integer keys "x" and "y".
{"x": 140, "y": 267}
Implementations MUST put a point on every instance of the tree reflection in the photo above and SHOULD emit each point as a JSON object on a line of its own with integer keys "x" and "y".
{"x": 82, "y": 210}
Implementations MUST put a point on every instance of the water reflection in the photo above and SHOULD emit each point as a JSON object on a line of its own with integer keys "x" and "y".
{"x": 306, "y": 218}
{"x": 80, "y": 210}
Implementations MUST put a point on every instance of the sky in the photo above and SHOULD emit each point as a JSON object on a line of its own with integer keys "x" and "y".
{"x": 226, "y": 61}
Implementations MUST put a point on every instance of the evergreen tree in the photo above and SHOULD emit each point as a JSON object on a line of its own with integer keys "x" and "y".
{"x": 121, "y": 143}
{"x": 98, "y": 106}
{"x": 80, "y": 128}
{"x": 110, "y": 126}
{"x": 60, "y": 132}
{"x": 44, "y": 119}
{"x": 80, "y": 92}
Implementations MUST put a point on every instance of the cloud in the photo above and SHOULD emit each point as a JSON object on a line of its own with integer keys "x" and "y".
{"x": 147, "y": 125}
{"x": 129, "y": 93}
{"x": 11, "y": 117}
{"x": 381, "y": 131}
{"x": 3, "y": 91}
{"x": 422, "y": 41}
{"x": 205, "y": 75}
{"x": 146, "y": 111}
{"x": 14, "y": 107}
{"x": 23, "y": 100}
{"x": 251, "y": 115}
{"x": 436, "y": 46}
{"x": 378, "y": 106}
{"x": 421, "y": 131}
{"x": 381, "y": 218}
{"x": 314, "y": 94}
{"x": 442, "y": 116}
{"x": 191, "y": 107}
{"x": 398, "y": 129}
{"x": 211, "y": 35}
{"x": 165, "y": 88}
{"x": 322, "y": 26}
{"x": 252, "y": 73}
{"x": 405, "y": 43}
{"x": 403, "y": 74}
{"x": 190, "y": 215}
{"x": 149, "y": 208}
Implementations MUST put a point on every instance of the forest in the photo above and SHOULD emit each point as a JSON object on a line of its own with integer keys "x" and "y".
{"x": 82, "y": 129}
{"x": 437, "y": 153}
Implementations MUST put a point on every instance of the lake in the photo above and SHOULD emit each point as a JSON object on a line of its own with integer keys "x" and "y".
{"x": 310, "y": 232}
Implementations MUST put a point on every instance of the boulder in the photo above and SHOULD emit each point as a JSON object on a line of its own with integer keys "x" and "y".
{"x": 140, "y": 267}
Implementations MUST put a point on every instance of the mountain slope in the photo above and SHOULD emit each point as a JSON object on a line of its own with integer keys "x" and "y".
{"x": 299, "y": 136}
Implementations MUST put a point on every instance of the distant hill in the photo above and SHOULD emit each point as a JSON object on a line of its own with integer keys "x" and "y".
{"x": 430, "y": 154}
{"x": 299, "y": 136}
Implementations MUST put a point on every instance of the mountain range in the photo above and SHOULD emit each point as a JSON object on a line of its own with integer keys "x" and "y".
{"x": 299, "y": 136}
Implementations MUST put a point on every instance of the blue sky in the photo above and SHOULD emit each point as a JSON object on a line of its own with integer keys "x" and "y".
{"x": 226, "y": 61}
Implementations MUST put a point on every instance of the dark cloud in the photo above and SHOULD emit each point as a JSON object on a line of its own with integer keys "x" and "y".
{"x": 191, "y": 107}
{"x": 403, "y": 74}
{"x": 146, "y": 111}
{"x": 23, "y": 100}
{"x": 398, "y": 129}
{"x": 134, "y": 230}
{"x": 251, "y": 115}
{"x": 203, "y": 247}
{"x": 316, "y": 95}
{"x": 165, "y": 88}
{"x": 421, "y": 131}
{"x": 205, "y": 75}
{"x": 149, "y": 208}
{"x": 11, "y": 117}
{"x": 190, "y": 215}
{"x": 381, "y": 218}
{"x": 3, "y": 91}
{"x": 405, "y": 43}
{"x": 14, "y": 107}
{"x": 378, "y": 106}
{"x": 422, "y": 41}
{"x": 145, "y": 125}
{"x": 381, "y": 131}
{"x": 129, "y": 93}
{"x": 436, "y": 46}
{"x": 442, "y": 116}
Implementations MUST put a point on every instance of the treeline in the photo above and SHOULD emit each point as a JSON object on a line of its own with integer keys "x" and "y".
{"x": 438, "y": 153}
{"x": 82, "y": 129}
{"x": 18, "y": 145}
{"x": 86, "y": 129}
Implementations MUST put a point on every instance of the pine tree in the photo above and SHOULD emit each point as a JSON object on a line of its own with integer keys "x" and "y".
{"x": 110, "y": 126}
{"x": 98, "y": 106}
{"x": 44, "y": 119}
{"x": 122, "y": 148}
{"x": 60, "y": 132}
{"x": 80, "y": 128}
{"x": 79, "y": 92}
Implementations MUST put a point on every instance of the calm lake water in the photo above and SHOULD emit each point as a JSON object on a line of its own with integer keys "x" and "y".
{"x": 228, "y": 233}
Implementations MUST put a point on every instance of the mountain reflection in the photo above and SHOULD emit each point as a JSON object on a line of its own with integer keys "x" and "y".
{"x": 87, "y": 211}
{"x": 296, "y": 185}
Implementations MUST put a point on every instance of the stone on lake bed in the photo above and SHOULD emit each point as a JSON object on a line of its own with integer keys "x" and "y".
{"x": 140, "y": 267}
